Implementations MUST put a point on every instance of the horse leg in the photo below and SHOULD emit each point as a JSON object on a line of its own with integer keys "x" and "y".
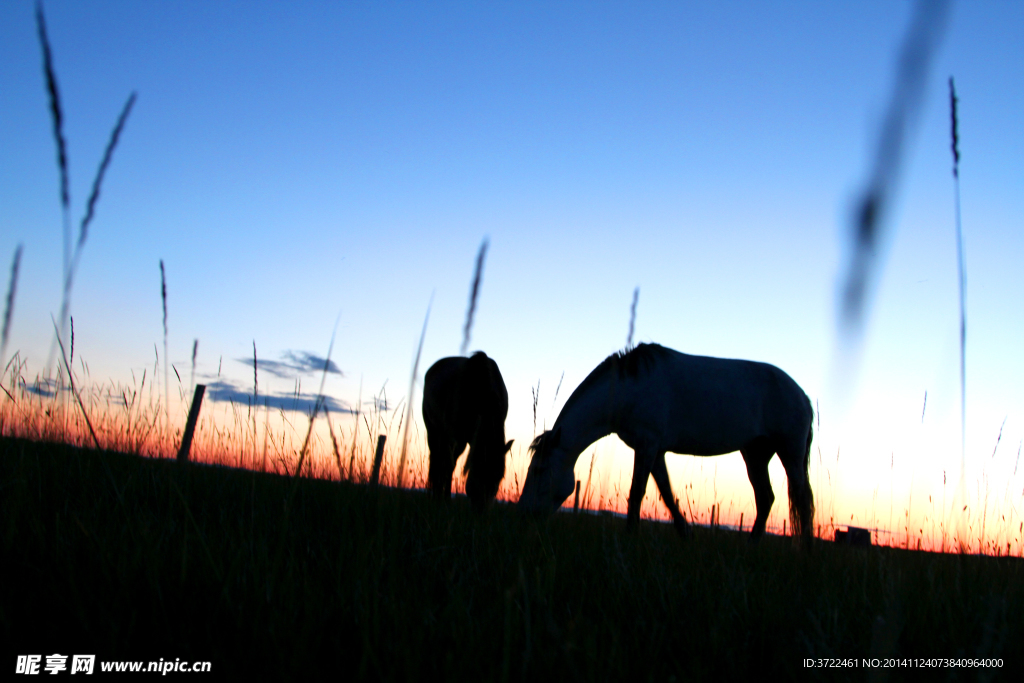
{"x": 442, "y": 464}
{"x": 756, "y": 459}
{"x": 801, "y": 499}
{"x": 643, "y": 461}
{"x": 438, "y": 450}
{"x": 455, "y": 451}
{"x": 660, "y": 474}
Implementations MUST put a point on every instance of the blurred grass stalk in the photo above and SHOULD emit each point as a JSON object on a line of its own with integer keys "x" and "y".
{"x": 409, "y": 401}
{"x": 12, "y": 287}
{"x": 474, "y": 293}
{"x": 962, "y": 281}
{"x": 71, "y": 258}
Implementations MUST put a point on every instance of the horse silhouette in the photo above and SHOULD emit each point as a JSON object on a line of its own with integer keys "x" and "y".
{"x": 658, "y": 400}
{"x": 465, "y": 402}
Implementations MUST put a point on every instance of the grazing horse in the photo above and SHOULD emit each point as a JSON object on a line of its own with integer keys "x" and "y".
{"x": 465, "y": 401}
{"x": 657, "y": 400}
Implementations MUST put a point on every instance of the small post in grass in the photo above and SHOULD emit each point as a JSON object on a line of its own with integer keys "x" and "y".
{"x": 190, "y": 425}
{"x": 741, "y": 522}
{"x": 576, "y": 505}
{"x": 377, "y": 457}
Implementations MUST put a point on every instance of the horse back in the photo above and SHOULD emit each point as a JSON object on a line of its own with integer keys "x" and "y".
{"x": 457, "y": 391}
{"x": 440, "y": 385}
{"x": 483, "y": 388}
{"x": 706, "y": 405}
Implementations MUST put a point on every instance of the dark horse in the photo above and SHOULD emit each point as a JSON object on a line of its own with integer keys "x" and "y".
{"x": 465, "y": 401}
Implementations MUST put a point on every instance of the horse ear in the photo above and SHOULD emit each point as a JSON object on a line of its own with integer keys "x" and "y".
{"x": 508, "y": 446}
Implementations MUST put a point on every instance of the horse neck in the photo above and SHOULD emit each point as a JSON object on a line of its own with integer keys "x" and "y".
{"x": 586, "y": 417}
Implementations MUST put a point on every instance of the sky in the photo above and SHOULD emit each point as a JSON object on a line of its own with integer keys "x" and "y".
{"x": 305, "y": 164}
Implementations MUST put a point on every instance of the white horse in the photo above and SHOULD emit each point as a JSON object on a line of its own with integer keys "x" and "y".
{"x": 657, "y": 400}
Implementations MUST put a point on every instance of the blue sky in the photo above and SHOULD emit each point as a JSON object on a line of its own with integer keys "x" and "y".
{"x": 293, "y": 163}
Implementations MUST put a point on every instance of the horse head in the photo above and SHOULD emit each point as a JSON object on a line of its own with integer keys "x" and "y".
{"x": 486, "y": 461}
{"x": 550, "y": 479}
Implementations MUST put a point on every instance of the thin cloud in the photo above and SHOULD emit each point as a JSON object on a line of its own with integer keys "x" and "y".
{"x": 310, "y": 362}
{"x": 42, "y": 386}
{"x": 293, "y": 364}
{"x": 223, "y": 390}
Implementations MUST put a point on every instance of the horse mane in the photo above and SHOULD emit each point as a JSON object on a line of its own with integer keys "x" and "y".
{"x": 537, "y": 445}
{"x": 627, "y": 362}
{"x": 630, "y": 361}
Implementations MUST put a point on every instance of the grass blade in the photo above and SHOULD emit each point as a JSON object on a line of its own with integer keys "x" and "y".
{"x": 632, "y": 317}
{"x": 319, "y": 397}
{"x": 474, "y": 292}
{"x": 415, "y": 370}
{"x": 163, "y": 299}
{"x": 918, "y": 49}
{"x": 94, "y": 196}
{"x": 74, "y": 391}
{"x": 962, "y": 275}
{"x": 9, "y": 302}
{"x": 70, "y": 259}
{"x": 58, "y": 131}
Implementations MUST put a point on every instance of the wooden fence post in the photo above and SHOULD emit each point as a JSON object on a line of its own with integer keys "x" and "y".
{"x": 741, "y": 522}
{"x": 377, "y": 458}
{"x": 576, "y": 505}
{"x": 190, "y": 424}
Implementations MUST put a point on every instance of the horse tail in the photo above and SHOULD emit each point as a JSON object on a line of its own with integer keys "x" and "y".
{"x": 801, "y": 498}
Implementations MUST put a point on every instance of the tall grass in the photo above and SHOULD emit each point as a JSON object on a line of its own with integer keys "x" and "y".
{"x": 318, "y": 403}
{"x": 71, "y": 256}
{"x": 632, "y": 317}
{"x": 409, "y": 399}
{"x": 299, "y": 579}
{"x": 12, "y": 288}
{"x": 72, "y": 409}
{"x": 474, "y": 293}
{"x": 163, "y": 303}
{"x": 870, "y": 219}
{"x": 962, "y": 287}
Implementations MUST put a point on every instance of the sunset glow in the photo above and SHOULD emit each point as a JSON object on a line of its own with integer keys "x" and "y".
{"x": 920, "y": 514}
{"x": 297, "y": 176}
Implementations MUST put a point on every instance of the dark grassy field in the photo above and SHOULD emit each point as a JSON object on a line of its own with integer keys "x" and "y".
{"x": 271, "y": 577}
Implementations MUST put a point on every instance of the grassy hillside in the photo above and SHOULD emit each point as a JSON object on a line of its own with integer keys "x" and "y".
{"x": 131, "y": 558}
